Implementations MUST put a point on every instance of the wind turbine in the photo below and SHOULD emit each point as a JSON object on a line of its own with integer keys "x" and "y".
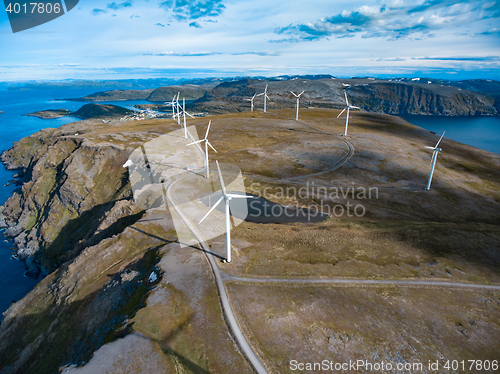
{"x": 207, "y": 144}
{"x": 184, "y": 115}
{"x": 435, "y": 151}
{"x": 177, "y": 106}
{"x": 227, "y": 198}
{"x": 298, "y": 98}
{"x": 265, "y": 97}
{"x": 251, "y": 101}
{"x": 173, "y": 107}
{"x": 348, "y": 107}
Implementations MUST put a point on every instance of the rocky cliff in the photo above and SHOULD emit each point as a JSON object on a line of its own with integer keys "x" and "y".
{"x": 72, "y": 191}
{"x": 114, "y": 270}
{"x": 414, "y": 98}
{"x": 73, "y": 219}
{"x": 391, "y": 97}
{"x": 69, "y": 221}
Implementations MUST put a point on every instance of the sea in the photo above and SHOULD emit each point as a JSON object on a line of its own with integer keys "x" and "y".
{"x": 481, "y": 132}
{"x": 15, "y": 125}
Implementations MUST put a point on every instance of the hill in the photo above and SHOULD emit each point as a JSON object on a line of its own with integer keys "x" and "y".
{"x": 373, "y": 95}
{"x": 101, "y": 111}
{"x": 399, "y": 96}
{"x": 115, "y": 95}
{"x": 74, "y": 218}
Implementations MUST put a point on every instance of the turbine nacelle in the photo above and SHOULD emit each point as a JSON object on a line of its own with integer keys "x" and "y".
{"x": 128, "y": 163}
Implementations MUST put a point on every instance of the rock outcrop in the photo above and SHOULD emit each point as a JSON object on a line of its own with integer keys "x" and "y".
{"x": 69, "y": 220}
{"x": 399, "y": 96}
{"x": 382, "y": 96}
{"x": 427, "y": 99}
{"x": 188, "y": 91}
{"x": 73, "y": 191}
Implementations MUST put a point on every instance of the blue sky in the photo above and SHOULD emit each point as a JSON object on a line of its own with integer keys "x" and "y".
{"x": 201, "y": 38}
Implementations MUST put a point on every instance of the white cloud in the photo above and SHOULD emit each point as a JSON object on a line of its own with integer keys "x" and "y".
{"x": 244, "y": 41}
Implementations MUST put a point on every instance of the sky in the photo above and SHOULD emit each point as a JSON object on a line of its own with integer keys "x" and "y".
{"x": 207, "y": 38}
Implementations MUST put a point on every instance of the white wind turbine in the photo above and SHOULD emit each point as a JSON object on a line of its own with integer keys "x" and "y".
{"x": 177, "y": 107}
{"x": 435, "y": 151}
{"x": 173, "y": 106}
{"x": 348, "y": 107}
{"x": 227, "y": 198}
{"x": 265, "y": 97}
{"x": 251, "y": 101}
{"x": 207, "y": 144}
{"x": 298, "y": 99}
{"x": 184, "y": 115}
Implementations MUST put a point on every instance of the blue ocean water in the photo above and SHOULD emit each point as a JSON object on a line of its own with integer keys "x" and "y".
{"x": 481, "y": 132}
{"x": 14, "y": 125}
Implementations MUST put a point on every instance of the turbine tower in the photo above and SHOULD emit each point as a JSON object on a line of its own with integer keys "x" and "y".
{"x": 177, "y": 107}
{"x": 227, "y": 197}
{"x": 265, "y": 98}
{"x": 184, "y": 115}
{"x": 435, "y": 151}
{"x": 251, "y": 101}
{"x": 348, "y": 107}
{"x": 173, "y": 107}
{"x": 207, "y": 144}
{"x": 298, "y": 99}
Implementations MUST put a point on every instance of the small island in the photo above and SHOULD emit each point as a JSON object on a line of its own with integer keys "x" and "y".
{"x": 50, "y": 113}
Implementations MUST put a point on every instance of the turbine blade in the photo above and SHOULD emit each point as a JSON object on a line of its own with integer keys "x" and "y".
{"x": 211, "y": 209}
{"x": 341, "y": 112}
{"x": 261, "y": 94}
{"x": 196, "y": 142}
{"x": 346, "y": 100}
{"x": 429, "y": 147}
{"x": 208, "y": 129}
{"x": 241, "y": 196}
{"x": 293, "y": 93}
{"x": 189, "y": 114}
{"x": 210, "y": 145}
{"x": 221, "y": 180}
{"x": 439, "y": 141}
{"x": 354, "y": 107}
{"x": 301, "y": 93}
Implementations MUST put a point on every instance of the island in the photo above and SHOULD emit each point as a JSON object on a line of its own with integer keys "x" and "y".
{"x": 51, "y": 113}
{"x": 85, "y": 112}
